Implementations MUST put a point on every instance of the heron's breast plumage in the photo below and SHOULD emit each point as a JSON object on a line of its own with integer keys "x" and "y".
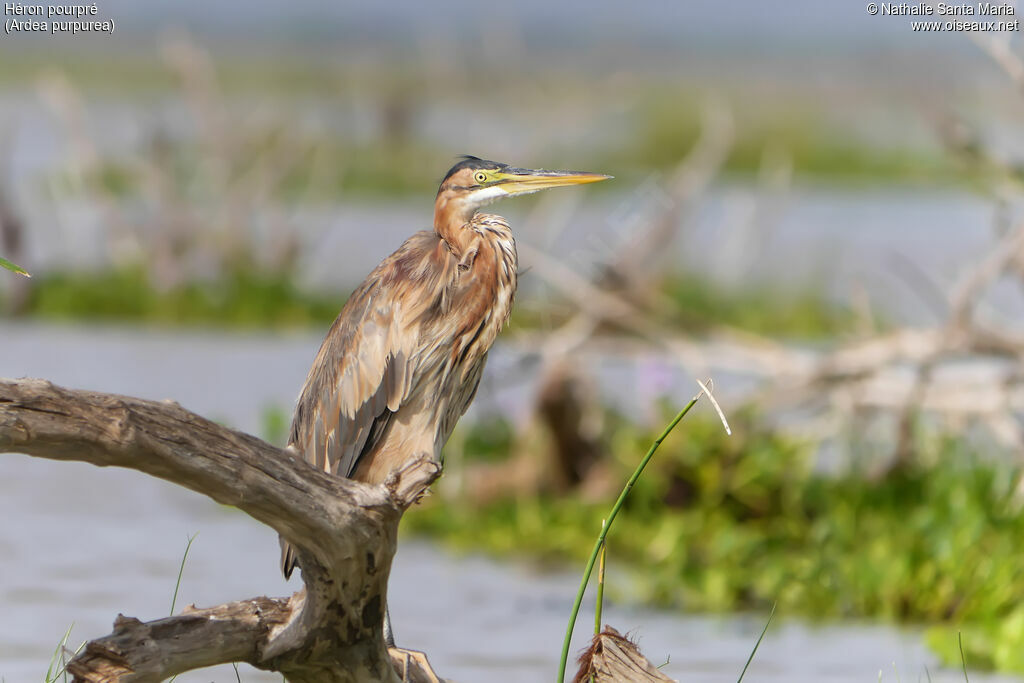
{"x": 456, "y": 332}
{"x": 403, "y": 359}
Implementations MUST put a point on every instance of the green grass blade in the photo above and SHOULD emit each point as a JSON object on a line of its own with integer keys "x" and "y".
{"x": 177, "y": 584}
{"x": 13, "y": 267}
{"x": 598, "y": 604}
{"x": 758, "y": 644}
{"x": 600, "y": 587}
{"x": 604, "y": 532}
{"x": 64, "y": 668}
{"x": 963, "y": 660}
{"x": 181, "y": 570}
{"x": 51, "y": 674}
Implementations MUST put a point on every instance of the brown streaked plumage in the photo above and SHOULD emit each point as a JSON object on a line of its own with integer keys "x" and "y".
{"x": 403, "y": 359}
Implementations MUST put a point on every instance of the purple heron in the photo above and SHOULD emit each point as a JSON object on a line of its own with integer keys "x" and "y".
{"x": 402, "y": 361}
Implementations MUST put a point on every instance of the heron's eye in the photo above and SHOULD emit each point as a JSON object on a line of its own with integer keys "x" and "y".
{"x": 481, "y": 178}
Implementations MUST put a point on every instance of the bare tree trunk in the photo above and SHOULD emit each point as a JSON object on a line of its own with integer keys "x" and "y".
{"x": 345, "y": 532}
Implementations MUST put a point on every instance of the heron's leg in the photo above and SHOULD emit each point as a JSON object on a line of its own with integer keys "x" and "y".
{"x": 389, "y": 634}
{"x": 412, "y": 665}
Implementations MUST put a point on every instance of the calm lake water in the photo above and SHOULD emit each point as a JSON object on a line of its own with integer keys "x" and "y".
{"x": 80, "y": 544}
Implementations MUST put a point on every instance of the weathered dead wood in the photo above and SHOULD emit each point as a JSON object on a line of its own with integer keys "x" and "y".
{"x": 612, "y": 658}
{"x": 345, "y": 532}
{"x": 178, "y": 643}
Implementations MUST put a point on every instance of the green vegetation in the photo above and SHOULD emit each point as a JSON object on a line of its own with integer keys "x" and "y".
{"x": 57, "y": 670}
{"x": 797, "y": 314}
{"x": 349, "y": 170}
{"x": 732, "y": 523}
{"x": 700, "y": 306}
{"x": 251, "y": 299}
{"x": 245, "y": 299}
{"x": 338, "y": 168}
{"x": 606, "y": 525}
{"x": 13, "y": 267}
{"x": 988, "y": 643}
{"x": 815, "y": 141}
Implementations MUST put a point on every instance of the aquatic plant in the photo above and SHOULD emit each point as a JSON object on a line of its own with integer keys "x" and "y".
{"x": 726, "y": 524}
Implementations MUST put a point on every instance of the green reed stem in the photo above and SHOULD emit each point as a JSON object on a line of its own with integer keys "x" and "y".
{"x": 604, "y": 532}
{"x": 600, "y": 588}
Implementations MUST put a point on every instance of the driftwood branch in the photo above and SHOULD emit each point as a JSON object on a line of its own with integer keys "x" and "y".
{"x": 149, "y": 650}
{"x": 345, "y": 533}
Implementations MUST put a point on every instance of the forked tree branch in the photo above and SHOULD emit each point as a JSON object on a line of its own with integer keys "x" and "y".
{"x": 345, "y": 533}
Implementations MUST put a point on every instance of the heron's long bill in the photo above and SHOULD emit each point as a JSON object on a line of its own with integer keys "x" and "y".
{"x": 523, "y": 180}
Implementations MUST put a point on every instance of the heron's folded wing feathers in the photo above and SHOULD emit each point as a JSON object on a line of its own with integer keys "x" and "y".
{"x": 360, "y": 378}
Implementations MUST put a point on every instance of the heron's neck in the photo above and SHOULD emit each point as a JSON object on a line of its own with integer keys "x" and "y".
{"x": 451, "y": 215}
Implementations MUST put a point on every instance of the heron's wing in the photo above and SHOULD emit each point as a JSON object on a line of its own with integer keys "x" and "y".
{"x": 361, "y": 376}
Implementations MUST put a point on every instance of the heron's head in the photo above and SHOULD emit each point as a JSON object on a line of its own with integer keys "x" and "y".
{"x": 474, "y": 183}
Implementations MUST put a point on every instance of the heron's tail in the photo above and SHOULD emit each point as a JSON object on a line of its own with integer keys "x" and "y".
{"x": 289, "y": 561}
